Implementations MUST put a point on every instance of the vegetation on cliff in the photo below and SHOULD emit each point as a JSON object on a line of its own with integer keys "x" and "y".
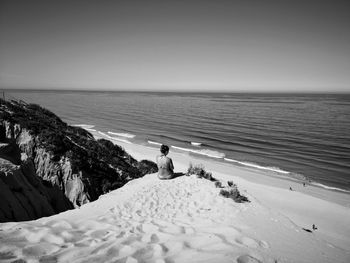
{"x": 99, "y": 164}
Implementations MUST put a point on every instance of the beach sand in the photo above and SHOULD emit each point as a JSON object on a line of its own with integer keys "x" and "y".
{"x": 186, "y": 220}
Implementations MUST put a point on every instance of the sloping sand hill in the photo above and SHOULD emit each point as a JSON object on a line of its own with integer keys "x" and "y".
{"x": 179, "y": 220}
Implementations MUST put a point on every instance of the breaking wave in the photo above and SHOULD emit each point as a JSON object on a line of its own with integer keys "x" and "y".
{"x": 126, "y": 135}
{"x": 330, "y": 187}
{"x": 206, "y": 152}
{"x": 113, "y": 138}
{"x": 155, "y": 143}
{"x": 274, "y": 169}
{"x": 84, "y": 126}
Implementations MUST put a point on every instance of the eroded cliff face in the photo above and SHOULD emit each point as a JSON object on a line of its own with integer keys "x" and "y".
{"x": 23, "y": 194}
{"x": 36, "y": 161}
{"x": 38, "y": 180}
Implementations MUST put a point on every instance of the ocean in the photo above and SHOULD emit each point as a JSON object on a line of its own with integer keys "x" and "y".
{"x": 304, "y": 136}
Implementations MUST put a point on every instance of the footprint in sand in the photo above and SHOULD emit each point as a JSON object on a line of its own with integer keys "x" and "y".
{"x": 129, "y": 260}
{"x": 37, "y": 235}
{"x": 41, "y": 249}
{"x": 151, "y": 227}
{"x": 204, "y": 241}
{"x": 159, "y": 250}
{"x": 64, "y": 225}
{"x": 53, "y": 239}
{"x": 247, "y": 259}
{"x": 189, "y": 230}
{"x": 173, "y": 229}
{"x": 264, "y": 244}
{"x": 83, "y": 243}
{"x": 98, "y": 233}
{"x": 46, "y": 259}
{"x": 126, "y": 250}
{"x": 149, "y": 238}
{"x": 151, "y": 251}
{"x": 249, "y": 242}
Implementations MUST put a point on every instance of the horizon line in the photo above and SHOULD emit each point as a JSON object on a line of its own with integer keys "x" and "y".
{"x": 173, "y": 91}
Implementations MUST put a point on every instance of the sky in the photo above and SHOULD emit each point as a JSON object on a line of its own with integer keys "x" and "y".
{"x": 185, "y": 45}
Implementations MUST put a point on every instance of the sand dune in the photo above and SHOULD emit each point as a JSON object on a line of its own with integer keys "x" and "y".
{"x": 186, "y": 220}
{"x": 180, "y": 220}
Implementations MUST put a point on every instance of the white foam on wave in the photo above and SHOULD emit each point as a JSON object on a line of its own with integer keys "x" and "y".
{"x": 91, "y": 130}
{"x": 84, "y": 126}
{"x": 126, "y": 135}
{"x": 113, "y": 138}
{"x": 330, "y": 187}
{"x": 196, "y": 143}
{"x": 274, "y": 169}
{"x": 155, "y": 143}
{"x": 206, "y": 152}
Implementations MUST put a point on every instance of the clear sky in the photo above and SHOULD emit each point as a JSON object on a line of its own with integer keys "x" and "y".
{"x": 284, "y": 45}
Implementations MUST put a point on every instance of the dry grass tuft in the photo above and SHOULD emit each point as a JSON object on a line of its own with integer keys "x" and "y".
{"x": 230, "y": 191}
{"x": 218, "y": 184}
{"x": 200, "y": 172}
{"x": 233, "y": 193}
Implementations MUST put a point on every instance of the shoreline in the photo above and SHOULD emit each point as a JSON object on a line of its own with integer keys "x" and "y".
{"x": 185, "y": 219}
{"x": 304, "y": 206}
{"x": 126, "y": 138}
{"x": 266, "y": 177}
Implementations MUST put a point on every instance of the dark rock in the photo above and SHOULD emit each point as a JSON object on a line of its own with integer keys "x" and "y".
{"x": 62, "y": 166}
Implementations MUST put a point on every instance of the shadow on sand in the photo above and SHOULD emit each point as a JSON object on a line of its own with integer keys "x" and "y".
{"x": 178, "y": 175}
{"x": 174, "y": 176}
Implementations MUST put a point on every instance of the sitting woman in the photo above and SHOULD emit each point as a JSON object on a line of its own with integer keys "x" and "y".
{"x": 165, "y": 164}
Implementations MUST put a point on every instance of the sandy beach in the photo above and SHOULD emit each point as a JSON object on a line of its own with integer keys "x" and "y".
{"x": 253, "y": 96}
{"x": 186, "y": 220}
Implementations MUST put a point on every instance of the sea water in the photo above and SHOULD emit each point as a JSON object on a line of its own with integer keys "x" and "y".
{"x": 305, "y": 135}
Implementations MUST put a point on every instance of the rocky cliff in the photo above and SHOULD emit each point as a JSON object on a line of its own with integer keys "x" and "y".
{"x": 47, "y": 166}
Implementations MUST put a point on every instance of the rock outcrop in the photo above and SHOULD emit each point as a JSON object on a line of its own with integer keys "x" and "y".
{"x": 47, "y": 166}
{"x": 23, "y": 196}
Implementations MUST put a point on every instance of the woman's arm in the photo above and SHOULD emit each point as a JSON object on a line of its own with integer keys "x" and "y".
{"x": 171, "y": 164}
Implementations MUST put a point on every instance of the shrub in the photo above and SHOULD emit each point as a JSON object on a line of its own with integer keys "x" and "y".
{"x": 17, "y": 188}
{"x": 218, "y": 184}
{"x": 200, "y": 172}
{"x": 234, "y": 194}
{"x": 106, "y": 186}
{"x": 208, "y": 176}
{"x": 147, "y": 167}
{"x": 196, "y": 170}
{"x": 103, "y": 165}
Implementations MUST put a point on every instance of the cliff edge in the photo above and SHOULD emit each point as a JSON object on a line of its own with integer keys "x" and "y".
{"x": 47, "y": 166}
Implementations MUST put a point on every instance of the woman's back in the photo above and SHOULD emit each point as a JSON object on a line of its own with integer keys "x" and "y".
{"x": 165, "y": 167}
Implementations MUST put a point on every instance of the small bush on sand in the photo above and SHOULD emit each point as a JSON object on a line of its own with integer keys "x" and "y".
{"x": 197, "y": 170}
{"x": 218, "y": 184}
{"x": 233, "y": 193}
{"x": 200, "y": 172}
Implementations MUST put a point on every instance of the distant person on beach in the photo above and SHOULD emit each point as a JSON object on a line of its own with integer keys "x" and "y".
{"x": 165, "y": 164}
